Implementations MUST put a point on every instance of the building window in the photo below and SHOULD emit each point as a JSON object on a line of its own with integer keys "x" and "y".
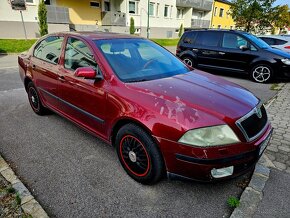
{"x": 215, "y": 11}
{"x": 221, "y": 12}
{"x": 107, "y": 6}
{"x": 151, "y": 9}
{"x": 179, "y": 13}
{"x": 219, "y": 26}
{"x": 166, "y": 11}
{"x": 133, "y": 7}
{"x": 95, "y": 4}
{"x": 47, "y": 2}
{"x": 157, "y": 9}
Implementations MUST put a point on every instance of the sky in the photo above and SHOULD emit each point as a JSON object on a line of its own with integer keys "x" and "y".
{"x": 282, "y": 2}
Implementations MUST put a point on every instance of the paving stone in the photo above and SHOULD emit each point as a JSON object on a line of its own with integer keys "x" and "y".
{"x": 259, "y": 169}
{"x": 9, "y": 175}
{"x": 258, "y": 182}
{"x": 249, "y": 203}
{"x": 3, "y": 164}
{"x": 284, "y": 148}
{"x": 271, "y": 148}
{"x": 279, "y": 165}
{"x": 33, "y": 208}
{"x": 21, "y": 189}
{"x": 280, "y": 157}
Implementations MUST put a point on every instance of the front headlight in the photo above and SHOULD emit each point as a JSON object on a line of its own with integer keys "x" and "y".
{"x": 286, "y": 61}
{"x": 210, "y": 136}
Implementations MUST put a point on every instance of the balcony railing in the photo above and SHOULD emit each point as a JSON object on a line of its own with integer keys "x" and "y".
{"x": 57, "y": 14}
{"x": 198, "y": 23}
{"x": 205, "y": 5}
{"x": 110, "y": 18}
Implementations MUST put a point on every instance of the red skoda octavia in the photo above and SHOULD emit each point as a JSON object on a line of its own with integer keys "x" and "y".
{"x": 160, "y": 115}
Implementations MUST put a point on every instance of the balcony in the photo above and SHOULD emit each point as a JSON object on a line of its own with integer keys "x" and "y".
{"x": 110, "y": 18}
{"x": 198, "y": 23}
{"x": 205, "y": 5}
{"x": 57, "y": 14}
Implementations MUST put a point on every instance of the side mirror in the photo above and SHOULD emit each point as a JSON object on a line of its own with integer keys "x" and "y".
{"x": 244, "y": 47}
{"x": 88, "y": 73}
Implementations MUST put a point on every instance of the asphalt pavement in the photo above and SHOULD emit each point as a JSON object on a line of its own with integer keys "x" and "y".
{"x": 73, "y": 174}
{"x": 276, "y": 201}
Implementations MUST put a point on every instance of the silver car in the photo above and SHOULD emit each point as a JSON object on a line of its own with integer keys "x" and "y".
{"x": 280, "y": 42}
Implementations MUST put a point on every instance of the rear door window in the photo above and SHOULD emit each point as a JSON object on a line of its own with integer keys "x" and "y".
{"x": 78, "y": 54}
{"x": 209, "y": 38}
{"x": 49, "y": 49}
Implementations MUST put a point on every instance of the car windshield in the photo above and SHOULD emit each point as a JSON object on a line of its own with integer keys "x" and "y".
{"x": 136, "y": 60}
{"x": 259, "y": 42}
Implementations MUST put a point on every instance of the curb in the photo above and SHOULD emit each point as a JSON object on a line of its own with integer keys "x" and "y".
{"x": 28, "y": 203}
{"x": 253, "y": 194}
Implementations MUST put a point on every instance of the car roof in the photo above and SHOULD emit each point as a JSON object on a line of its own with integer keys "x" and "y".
{"x": 218, "y": 30}
{"x": 97, "y": 35}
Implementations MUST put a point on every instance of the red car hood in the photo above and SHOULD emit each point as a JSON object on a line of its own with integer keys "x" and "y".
{"x": 200, "y": 91}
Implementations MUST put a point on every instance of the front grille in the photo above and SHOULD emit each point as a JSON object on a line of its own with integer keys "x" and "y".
{"x": 253, "y": 123}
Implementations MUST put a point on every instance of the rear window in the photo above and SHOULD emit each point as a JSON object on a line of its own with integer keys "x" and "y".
{"x": 189, "y": 38}
{"x": 209, "y": 38}
{"x": 49, "y": 49}
{"x": 273, "y": 41}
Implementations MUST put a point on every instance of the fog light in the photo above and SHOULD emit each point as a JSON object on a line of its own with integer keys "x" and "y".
{"x": 222, "y": 172}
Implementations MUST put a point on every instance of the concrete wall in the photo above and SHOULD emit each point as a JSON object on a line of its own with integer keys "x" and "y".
{"x": 14, "y": 30}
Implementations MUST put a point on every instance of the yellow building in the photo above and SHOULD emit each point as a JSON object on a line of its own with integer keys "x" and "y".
{"x": 82, "y": 12}
{"x": 221, "y": 17}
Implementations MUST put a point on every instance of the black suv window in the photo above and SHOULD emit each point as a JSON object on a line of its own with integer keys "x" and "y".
{"x": 209, "y": 38}
{"x": 49, "y": 49}
{"x": 189, "y": 38}
{"x": 234, "y": 41}
{"x": 78, "y": 54}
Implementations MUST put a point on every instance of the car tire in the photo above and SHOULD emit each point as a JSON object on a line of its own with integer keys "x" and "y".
{"x": 261, "y": 73}
{"x": 35, "y": 101}
{"x": 139, "y": 154}
{"x": 188, "y": 61}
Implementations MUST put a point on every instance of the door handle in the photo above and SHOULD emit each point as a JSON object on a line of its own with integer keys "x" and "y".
{"x": 194, "y": 49}
{"x": 61, "y": 78}
{"x": 222, "y": 53}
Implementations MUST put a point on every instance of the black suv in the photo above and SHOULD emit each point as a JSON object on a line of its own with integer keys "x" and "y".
{"x": 234, "y": 51}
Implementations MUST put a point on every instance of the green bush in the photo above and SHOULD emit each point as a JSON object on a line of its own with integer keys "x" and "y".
{"x": 42, "y": 17}
{"x": 132, "y": 26}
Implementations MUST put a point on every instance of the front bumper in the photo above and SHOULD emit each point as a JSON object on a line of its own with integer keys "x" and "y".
{"x": 285, "y": 71}
{"x": 197, "y": 163}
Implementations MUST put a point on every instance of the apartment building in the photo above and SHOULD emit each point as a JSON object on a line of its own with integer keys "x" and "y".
{"x": 165, "y": 16}
{"x": 11, "y": 22}
{"x": 221, "y": 17}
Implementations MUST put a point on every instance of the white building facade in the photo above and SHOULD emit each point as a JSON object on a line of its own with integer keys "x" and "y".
{"x": 165, "y": 16}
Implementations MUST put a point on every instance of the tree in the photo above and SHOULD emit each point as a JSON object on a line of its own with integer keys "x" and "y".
{"x": 42, "y": 17}
{"x": 281, "y": 17}
{"x": 132, "y": 26}
{"x": 180, "y": 30}
{"x": 252, "y": 14}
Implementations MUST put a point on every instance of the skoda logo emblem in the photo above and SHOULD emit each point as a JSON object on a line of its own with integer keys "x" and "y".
{"x": 259, "y": 112}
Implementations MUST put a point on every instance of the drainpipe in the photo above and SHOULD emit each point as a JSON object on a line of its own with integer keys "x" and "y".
{"x": 148, "y": 19}
{"x": 212, "y": 13}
